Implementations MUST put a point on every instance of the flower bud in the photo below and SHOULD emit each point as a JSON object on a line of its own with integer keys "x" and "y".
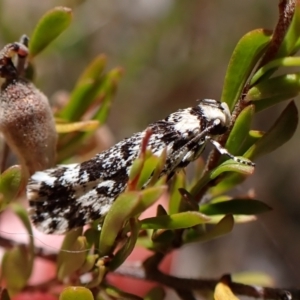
{"x": 26, "y": 119}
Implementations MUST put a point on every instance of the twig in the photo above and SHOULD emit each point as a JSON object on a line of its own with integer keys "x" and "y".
{"x": 185, "y": 294}
{"x": 38, "y": 251}
{"x": 286, "y": 12}
{"x": 44, "y": 286}
{"x": 185, "y": 286}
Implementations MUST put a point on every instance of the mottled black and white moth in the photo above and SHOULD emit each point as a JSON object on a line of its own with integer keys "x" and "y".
{"x": 71, "y": 196}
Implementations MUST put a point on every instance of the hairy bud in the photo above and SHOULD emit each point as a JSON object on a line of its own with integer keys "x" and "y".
{"x": 26, "y": 119}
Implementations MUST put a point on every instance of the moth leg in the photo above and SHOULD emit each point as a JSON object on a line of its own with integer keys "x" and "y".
{"x": 224, "y": 151}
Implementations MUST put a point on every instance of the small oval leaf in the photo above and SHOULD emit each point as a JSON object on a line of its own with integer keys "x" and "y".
{"x": 10, "y": 181}
{"x": 50, "y": 26}
{"x": 127, "y": 205}
{"x": 15, "y": 269}
{"x": 114, "y": 220}
{"x": 274, "y": 90}
{"x": 274, "y": 64}
{"x": 240, "y": 130}
{"x": 88, "y": 264}
{"x": 76, "y": 293}
{"x": 73, "y": 258}
{"x": 107, "y": 92}
{"x": 94, "y": 70}
{"x": 231, "y": 166}
{"x": 126, "y": 250}
{"x": 85, "y": 92}
{"x": 175, "y": 221}
{"x": 283, "y": 129}
{"x": 221, "y": 228}
{"x": 245, "y": 56}
{"x": 175, "y": 202}
{"x": 235, "y": 207}
{"x": 157, "y": 293}
{"x": 77, "y": 126}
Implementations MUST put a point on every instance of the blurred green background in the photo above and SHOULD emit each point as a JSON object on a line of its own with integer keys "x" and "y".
{"x": 174, "y": 52}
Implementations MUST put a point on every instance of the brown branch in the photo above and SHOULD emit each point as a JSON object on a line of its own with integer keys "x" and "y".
{"x": 184, "y": 286}
{"x": 38, "y": 251}
{"x": 185, "y": 294}
{"x": 286, "y": 13}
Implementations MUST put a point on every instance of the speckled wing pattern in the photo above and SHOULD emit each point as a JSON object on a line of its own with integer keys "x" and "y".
{"x": 70, "y": 196}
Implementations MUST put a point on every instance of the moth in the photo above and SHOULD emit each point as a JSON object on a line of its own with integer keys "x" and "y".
{"x": 70, "y": 196}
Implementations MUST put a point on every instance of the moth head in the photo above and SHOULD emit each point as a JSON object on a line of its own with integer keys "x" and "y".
{"x": 216, "y": 112}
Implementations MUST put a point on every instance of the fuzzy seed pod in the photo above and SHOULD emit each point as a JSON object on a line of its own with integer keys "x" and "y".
{"x": 27, "y": 123}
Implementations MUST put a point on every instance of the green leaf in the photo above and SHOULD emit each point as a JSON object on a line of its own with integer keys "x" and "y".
{"x": 50, "y": 26}
{"x": 89, "y": 93}
{"x": 231, "y": 166}
{"x": 116, "y": 293}
{"x": 175, "y": 221}
{"x": 77, "y": 126}
{"x": 85, "y": 92}
{"x": 69, "y": 239}
{"x": 114, "y": 220}
{"x": 106, "y": 92}
{"x": 149, "y": 166}
{"x": 231, "y": 180}
{"x": 275, "y": 64}
{"x": 245, "y": 56}
{"x": 227, "y": 183}
{"x": 240, "y": 131}
{"x": 283, "y": 129}
{"x": 157, "y": 293}
{"x": 76, "y": 293}
{"x": 72, "y": 258}
{"x": 15, "y": 269}
{"x": 221, "y": 228}
{"x": 22, "y": 214}
{"x": 72, "y": 254}
{"x": 227, "y": 166}
{"x": 93, "y": 70}
{"x": 127, "y": 205}
{"x": 235, "y": 207}
{"x": 10, "y": 181}
{"x": 156, "y": 176}
{"x": 92, "y": 236}
{"x": 274, "y": 90}
{"x": 126, "y": 250}
{"x": 148, "y": 197}
{"x": 238, "y": 219}
{"x": 175, "y": 202}
{"x": 253, "y": 278}
{"x": 98, "y": 273}
{"x": 252, "y": 137}
{"x": 162, "y": 239}
{"x": 89, "y": 263}
{"x": 136, "y": 168}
